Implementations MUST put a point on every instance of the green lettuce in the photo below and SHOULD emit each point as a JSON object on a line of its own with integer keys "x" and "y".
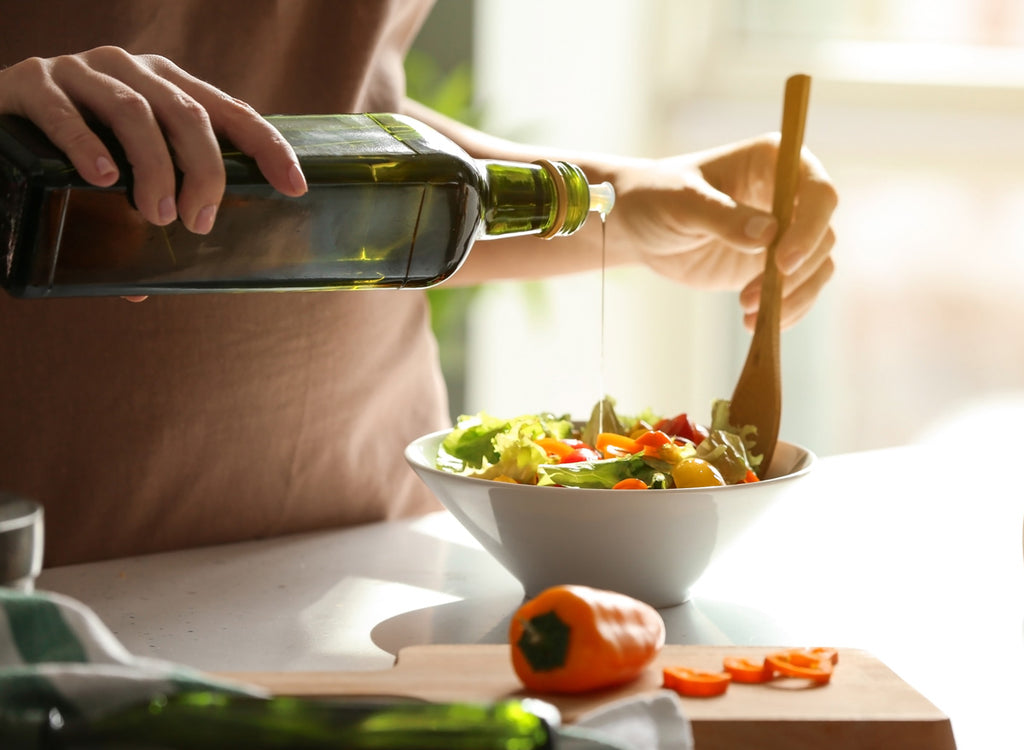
{"x": 602, "y": 419}
{"x": 519, "y": 459}
{"x": 471, "y": 444}
{"x": 746, "y": 434}
{"x": 727, "y": 453}
{"x": 488, "y": 447}
{"x": 602, "y": 474}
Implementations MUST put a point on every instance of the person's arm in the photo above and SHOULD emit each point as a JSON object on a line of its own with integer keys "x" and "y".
{"x": 155, "y": 109}
{"x": 703, "y": 219}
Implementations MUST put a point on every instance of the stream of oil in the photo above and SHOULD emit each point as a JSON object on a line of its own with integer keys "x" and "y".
{"x": 601, "y": 344}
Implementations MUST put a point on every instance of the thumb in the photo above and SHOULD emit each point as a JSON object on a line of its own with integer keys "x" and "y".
{"x": 736, "y": 224}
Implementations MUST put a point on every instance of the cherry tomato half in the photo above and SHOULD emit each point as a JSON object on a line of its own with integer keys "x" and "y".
{"x": 580, "y": 454}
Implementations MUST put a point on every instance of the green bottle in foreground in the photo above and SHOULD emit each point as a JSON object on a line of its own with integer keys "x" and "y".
{"x": 392, "y": 203}
{"x": 214, "y": 721}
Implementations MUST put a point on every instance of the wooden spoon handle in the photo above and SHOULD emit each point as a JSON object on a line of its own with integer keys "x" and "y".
{"x": 787, "y": 179}
{"x": 757, "y": 399}
{"x": 787, "y": 171}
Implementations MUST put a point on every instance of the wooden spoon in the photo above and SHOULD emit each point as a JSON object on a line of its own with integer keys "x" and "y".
{"x": 757, "y": 399}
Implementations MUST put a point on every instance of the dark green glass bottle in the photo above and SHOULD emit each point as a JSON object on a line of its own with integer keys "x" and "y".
{"x": 391, "y": 203}
{"x": 213, "y": 721}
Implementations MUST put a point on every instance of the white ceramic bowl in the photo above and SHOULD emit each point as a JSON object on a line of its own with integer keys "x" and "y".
{"x": 650, "y": 544}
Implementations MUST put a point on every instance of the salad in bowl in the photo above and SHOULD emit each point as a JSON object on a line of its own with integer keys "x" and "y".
{"x": 534, "y": 492}
{"x": 610, "y": 451}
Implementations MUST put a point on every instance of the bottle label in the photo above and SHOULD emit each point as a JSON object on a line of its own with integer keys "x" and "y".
{"x": 319, "y": 137}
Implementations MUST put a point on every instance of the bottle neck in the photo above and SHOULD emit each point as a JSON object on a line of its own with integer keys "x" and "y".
{"x": 546, "y": 198}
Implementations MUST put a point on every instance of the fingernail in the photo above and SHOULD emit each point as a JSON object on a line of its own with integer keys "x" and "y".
{"x": 760, "y": 228}
{"x": 105, "y": 167}
{"x": 297, "y": 179}
{"x": 204, "y": 219}
{"x": 167, "y": 209}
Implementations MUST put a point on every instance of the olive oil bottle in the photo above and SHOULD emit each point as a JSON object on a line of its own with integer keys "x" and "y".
{"x": 215, "y": 721}
{"x": 391, "y": 203}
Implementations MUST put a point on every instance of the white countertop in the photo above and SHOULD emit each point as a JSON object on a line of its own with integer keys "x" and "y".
{"x": 911, "y": 555}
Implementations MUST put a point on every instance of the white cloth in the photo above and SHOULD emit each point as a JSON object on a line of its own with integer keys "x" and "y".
{"x": 56, "y": 653}
{"x": 647, "y": 722}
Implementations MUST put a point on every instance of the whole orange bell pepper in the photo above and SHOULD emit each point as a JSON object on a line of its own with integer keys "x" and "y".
{"x": 571, "y": 639}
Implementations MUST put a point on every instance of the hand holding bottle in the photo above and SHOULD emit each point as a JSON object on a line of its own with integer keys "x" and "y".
{"x": 705, "y": 219}
{"x": 155, "y": 109}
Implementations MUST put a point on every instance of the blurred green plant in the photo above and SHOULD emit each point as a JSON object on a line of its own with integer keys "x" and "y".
{"x": 450, "y": 93}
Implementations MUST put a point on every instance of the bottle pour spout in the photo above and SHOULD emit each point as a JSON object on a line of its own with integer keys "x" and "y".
{"x": 602, "y": 198}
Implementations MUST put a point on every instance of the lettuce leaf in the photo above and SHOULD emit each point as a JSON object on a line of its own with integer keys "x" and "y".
{"x": 471, "y": 443}
{"x": 727, "y": 453}
{"x": 602, "y": 419}
{"x": 487, "y": 447}
{"x": 720, "y": 421}
{"x": 603, "y": 474}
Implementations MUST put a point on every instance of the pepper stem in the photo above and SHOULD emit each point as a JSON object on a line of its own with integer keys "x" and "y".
{"x": 545, "y": 641}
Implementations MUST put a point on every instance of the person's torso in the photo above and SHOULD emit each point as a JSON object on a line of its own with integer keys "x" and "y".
{"x": 201, "y": 419}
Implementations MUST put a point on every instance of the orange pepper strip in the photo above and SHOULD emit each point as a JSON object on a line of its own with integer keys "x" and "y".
{"x": 810, "y": 657}
{"x": 653, "y": 441}
{"x": 630, "y": 483}
{"x": 830, "y": 653}
{"x": 554, "y": 446}
{"x": 695, "y": 683}
{"x": 750, "y": 477}
{"x": 610, "y": 444}
{"x": 745, "y": 670}
{"x": 782, "y": 662}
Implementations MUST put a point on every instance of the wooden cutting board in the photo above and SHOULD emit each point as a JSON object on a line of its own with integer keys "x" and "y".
{"x": 865, "y": 705}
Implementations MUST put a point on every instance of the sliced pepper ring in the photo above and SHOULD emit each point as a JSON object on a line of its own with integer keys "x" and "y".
{"x": 748, "y": 671}
{"x": 800, "y": 663}
{"x": 821, "y": 653}
{"x": 695, "y": 683}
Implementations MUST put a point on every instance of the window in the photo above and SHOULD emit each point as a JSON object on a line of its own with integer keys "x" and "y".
{"x": 917, "y": 108}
